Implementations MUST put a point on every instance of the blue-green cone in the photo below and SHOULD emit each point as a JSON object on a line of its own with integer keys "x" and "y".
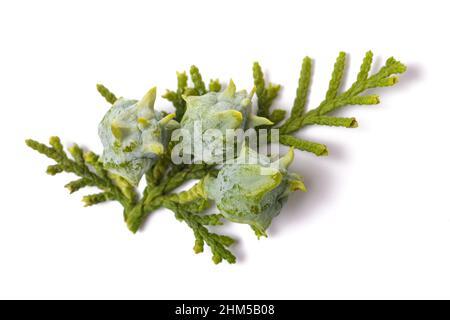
{"x": 133, "y": 135}
{"x": 218, "y": 110}
{"x": 254, "y": 189}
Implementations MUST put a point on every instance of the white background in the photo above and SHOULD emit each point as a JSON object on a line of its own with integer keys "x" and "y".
{"x": 375, "y": 222}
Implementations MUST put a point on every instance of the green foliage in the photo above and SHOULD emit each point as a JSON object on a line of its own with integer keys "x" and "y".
{"x": 266, "y": 95}
{"x": 196, "y": 77}
{"x": 238, "y": 191}
{"x": 218, "y": 243}
{"x": 214, "y": 85}
{"x": 108, "y": 95}
{"x": 191, "y": 195}
{"x": 92, "y": 199}
{"x": 317, "y": 148}
{"x": 277, "y": 116}
{"x": 303, "y": 87}
{"x": 334, "y": 99}
{"x": 76, "y": 185}
{"x": 176, "y": 97}
{"x": 89, "y": 175}
{"x": 160, "y": 189}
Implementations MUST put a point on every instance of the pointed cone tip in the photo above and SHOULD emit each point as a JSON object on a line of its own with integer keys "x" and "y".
{"x": 148, "y": 101}
{"x": 252, "y": 93}
{"x": 156, "y": 148}
{"x": 260, "y": 121}
{"x": 230, "y": 91}
{"x": 285, "y": 161}
{"x": 167, "y": 119}
{"x": 227, "y": 115}
{"x": 119, "y": 130}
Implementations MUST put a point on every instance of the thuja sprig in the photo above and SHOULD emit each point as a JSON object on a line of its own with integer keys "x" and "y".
{"x": 334, "y": 99}
{"x": 87, "y": 166}
{"x": 198, "y": 223}
{"x": 156, "y": 192}
{"x": 163, "y": 177}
